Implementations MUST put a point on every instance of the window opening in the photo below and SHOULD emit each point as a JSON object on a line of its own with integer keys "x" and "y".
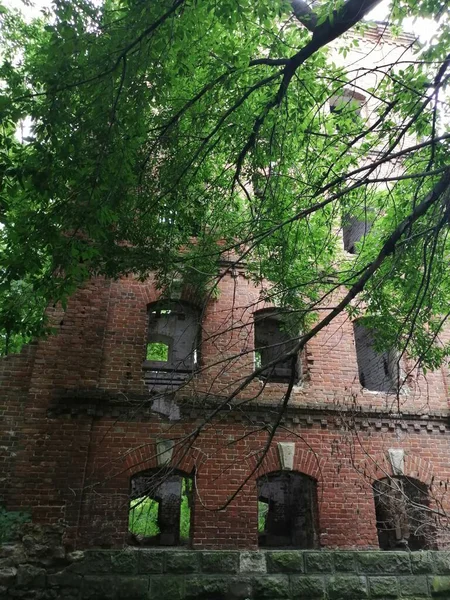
{"x": 348, "y": 101}
{"x": 172, "y": 343}
{"x": 403, "y": 521}
{"x": 354, "y": 229}
{"x": 272, "y": 341}
{"x": 378, "y": 371}
{"x": 160, "y": 509}
{"x": 287, "y": 510}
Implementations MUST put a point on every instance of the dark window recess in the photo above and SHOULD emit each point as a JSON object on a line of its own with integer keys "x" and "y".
{"x": 403, "y": 522}
{"x": 172, "y": 343}
{"x": 378, "y": 371}
{"x": 160, "y": 508}
{"x": 287, "y": 510}
{"x": 354, "y": 229}
{"x": 272, "y": 341}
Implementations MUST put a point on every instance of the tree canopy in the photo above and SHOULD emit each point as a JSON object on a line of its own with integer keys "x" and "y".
{"x": 167, "y": 136}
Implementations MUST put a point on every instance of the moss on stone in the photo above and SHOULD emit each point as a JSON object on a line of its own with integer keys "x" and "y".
{"x": 285, "y": 561}
{"x": 182, "y": 562}
{"x": 125, "y": 561}
{"x": 394, "y": 563}
{"x": 271, "y": 587}
{"x": 166, "y": 587}
{"x": 440, "y": 586}
{"x": 150, "y": 561}
{"x": 132, "y": 588}
{"x": 383, "y": 587}
{"x": 307, "y": 587}
{"x": 319, "y": 562}
{"x": 220, "y": 562}
{"x": 347, "y": 587}
{"x": 203, "y": 587}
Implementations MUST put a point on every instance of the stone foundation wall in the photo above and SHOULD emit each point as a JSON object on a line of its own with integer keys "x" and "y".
{"x": 38, "y": 568}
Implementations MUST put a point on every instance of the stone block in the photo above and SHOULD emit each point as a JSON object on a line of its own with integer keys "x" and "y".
{"x": 98, "y": 588}
{"x": 132, "y": 588}
{"x": 441, "y": 562}
{"x": 383, "y": 587}
{"x": 271, "y": 587}
{"x": 396, "y": 563}
{"x": 150, "y": 561}
{"x": 7, "y": 575}
{"x": 252, "y": 562}
{"x": 30, "y": 576}
{"x": 344, "y": 562}
{"x": 439, "y": 586}
{"x": 414, "y": 586}
{"x": 239, "y": 588}
{"x": 95, "y": 562}
{"x": 166, "y": 587}
{"x": 220, "y": 562}
{"x": 182, "y": 562}
{"x": 347, "y": 587}
{"x": 65, "y": 578}
{"x": 421, "y": 562}
{"x": 285, "y": 561}
{"x": 205, "y": 587}
{"x": 319, "y": 562}
{"x": 65, "y": 594}
{"x": 307, "y": 587}
{"x": 125, "y": 561}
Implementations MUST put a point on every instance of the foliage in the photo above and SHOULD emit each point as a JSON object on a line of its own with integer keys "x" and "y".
{"x": 143, "y": 514}
{"x": 143, "y": 517}
{"x": 167, "y": 134}
{"x": 10, "y": 521}
{"x": 263, "y": 509}
{"x": 157, "y": 351}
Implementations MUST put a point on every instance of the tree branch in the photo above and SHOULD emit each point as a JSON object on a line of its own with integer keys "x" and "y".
{"x": 304, "y": 14}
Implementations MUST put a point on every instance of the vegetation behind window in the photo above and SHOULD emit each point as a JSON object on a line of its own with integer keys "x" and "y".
{"x": 157, "y": 351}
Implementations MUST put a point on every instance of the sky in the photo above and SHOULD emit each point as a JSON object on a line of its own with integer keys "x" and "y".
{"x": 424, "y": 29}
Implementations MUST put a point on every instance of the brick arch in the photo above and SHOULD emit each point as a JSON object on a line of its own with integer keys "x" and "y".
{"x": 305, "y": 462}
{"x": 415, "y": 467}
{"x": 150, "y": 295}
{"x": 141, "y": 459}
{"x": 145, "y": 458}
{"x": 418, "y": 468}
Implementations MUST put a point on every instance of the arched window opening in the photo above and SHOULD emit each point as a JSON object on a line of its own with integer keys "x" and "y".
{"x": 378, "y": 371}
{"x": 273, "y": 339}
{"x": 160, "y": 508}
{"x": 287, "y": 510}
{"x": 172, "y": 343}
{"x": 403, "y": 519}
{"x": 348, "y": 102}
{"x": 355, "y": 228}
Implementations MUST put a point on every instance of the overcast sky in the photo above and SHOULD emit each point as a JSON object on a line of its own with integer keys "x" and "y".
{"x": 423, "y": 29}
{"x": 379, "y": 13}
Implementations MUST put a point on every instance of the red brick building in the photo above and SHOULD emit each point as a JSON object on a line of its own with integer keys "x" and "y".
{"x": 86, "y": 419}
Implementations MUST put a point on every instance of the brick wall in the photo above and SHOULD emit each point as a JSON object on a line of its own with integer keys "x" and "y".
{"x": 86, "y": 422}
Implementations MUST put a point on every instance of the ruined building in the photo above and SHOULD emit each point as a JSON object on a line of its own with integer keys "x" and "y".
{"x": 124, "y": 416}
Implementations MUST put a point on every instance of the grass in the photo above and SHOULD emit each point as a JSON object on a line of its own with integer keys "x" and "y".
{"x": 143, "y": 515}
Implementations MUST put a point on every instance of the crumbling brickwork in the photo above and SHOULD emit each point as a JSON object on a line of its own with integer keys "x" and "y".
{"x": 85, "y": 423}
